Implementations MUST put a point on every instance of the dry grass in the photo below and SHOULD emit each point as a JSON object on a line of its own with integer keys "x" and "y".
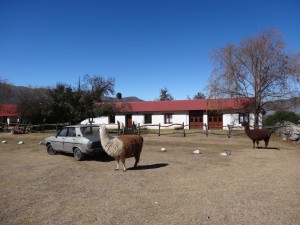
{"x": 173, "y": 187}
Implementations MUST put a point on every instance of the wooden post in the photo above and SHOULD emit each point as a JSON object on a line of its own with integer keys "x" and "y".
{"x": 183, "y": 129}
{"x": 159, "y": 129}
{"x": 229, "y": 131}
{"x": 206, "y": 130}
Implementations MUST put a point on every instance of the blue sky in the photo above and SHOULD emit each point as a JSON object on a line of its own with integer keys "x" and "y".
{"x": 146, "y": 45}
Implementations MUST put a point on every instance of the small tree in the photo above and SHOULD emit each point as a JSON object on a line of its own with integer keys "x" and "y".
{"x": 259, "y": 68}
{"x": 165, "y": 95}
{"x": 199, "y": 95}
{"x": 281, "y": 116}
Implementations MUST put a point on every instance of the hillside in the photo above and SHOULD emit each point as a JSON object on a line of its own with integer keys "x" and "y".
{"x": 18, "y": 92}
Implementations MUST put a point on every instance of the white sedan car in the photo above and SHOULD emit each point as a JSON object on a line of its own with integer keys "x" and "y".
{"x": 77, "y": 139}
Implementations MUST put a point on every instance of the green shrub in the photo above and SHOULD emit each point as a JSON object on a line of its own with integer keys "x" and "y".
{"x": 281, "y": 116}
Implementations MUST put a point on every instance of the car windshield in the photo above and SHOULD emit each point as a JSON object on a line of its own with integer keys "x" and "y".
{"x": 89, "y": 130}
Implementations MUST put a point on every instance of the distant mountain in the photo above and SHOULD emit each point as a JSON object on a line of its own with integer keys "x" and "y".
{"x": 16, "y": 92}
{"x": 292, "y": 104}
{"x": 125, "y": 99}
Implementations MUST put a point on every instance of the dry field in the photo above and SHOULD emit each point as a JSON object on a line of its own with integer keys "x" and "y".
{"x": 252, "y": 186}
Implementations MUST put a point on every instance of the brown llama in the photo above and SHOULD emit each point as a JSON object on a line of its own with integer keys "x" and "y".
{"x": 257, "y": 135}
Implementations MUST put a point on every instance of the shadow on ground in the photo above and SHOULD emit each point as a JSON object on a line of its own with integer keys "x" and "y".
{"x": 268, "y": 148}
{"x": 149, "y": 167}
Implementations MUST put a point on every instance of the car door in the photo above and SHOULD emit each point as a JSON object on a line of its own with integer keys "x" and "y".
{"x": 58, "y": 143}
{"x": 70, "y": 140}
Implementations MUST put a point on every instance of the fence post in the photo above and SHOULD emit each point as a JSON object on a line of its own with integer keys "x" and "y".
{"x": 206, "y": 130}
{"x": 118, "y": 131}
{"x": 183, "y": 129}
{"x": 159, "y": 129}
{"x": 139, "y": 132}
{"x": 229, "y": 131}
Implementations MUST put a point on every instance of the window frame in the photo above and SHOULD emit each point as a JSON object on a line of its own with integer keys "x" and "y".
{"x": 244, "y": 117}
{"x": 168, "y": 118}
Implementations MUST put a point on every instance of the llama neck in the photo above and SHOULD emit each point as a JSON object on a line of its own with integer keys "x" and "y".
{"x": 247, "y": 130}
{"x": 104, "y": 137}
{"x": 111, "y": 145}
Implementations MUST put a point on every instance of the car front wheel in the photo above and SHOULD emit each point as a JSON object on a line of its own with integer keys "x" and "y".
{"x": 78, "y": 155}
{"x": 50, "y": 150}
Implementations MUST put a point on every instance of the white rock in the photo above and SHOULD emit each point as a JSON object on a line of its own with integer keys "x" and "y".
{"x": 4, "y": 142}
{"x": 20, "y": 143}
{"x": 197, "y": 151}
{"x": 225, "y": 154}
{"x": 163, "y": 149}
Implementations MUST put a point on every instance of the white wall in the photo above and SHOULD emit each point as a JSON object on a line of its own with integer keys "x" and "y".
{"x": 231, "y": 119}
{"x": 177, "y": 118}
{"x": 156, "y": 119}
{"x": 121, "y": 119}
{"x": 205, "y": 120}
{"x": 98, "y": 120}
{"x": 181, "y": 117}
{"x": 138, "y": 119}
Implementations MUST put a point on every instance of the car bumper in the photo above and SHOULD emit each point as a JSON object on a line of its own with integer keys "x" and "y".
{"x": 93, "y": 150}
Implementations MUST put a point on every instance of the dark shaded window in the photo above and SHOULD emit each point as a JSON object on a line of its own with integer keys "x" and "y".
{"x": 112, "y": 119}
{"x": 243, "y": 117}
{"x": 148, "y": 118}
{"x": 168, "y": 118}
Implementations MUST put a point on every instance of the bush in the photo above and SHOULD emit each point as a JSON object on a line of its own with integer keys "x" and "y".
{"x": 281, "y": 116}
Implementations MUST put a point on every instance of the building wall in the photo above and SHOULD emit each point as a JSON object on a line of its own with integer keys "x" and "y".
{"x": 98, "y": 120}
{"x": 138, "y": 119}
{"x": 177, "y": 118}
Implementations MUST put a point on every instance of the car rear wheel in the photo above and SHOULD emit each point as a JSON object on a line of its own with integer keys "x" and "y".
{"x": 78, "y": 155}
{"x": 50, "y": 150}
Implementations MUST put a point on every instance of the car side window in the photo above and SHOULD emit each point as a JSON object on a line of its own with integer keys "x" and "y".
{"x": 71, "y": 132}
{"x": 63, "y": 132}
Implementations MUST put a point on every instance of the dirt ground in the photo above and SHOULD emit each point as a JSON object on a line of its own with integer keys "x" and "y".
{"x": 251, "y": 186}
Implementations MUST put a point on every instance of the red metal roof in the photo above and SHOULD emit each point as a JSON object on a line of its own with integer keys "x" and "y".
{"x": 8, "y": 110}
{"x": 184, "y": 105}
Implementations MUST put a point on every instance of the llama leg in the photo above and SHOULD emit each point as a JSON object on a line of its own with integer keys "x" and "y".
{"x": 123, "y": 162}
{"x": 118, "y": 161}
{"x": 266, "y": 142}
{"x": 253, "y": 144}
{"x": 137, "y": 159}
{"x": 257, "y": 143}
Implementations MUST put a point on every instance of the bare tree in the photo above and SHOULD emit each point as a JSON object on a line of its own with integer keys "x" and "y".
{"x": 260, "y": 68}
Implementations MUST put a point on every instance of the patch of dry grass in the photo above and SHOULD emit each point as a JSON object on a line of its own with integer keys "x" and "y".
{"x": 172, "y": 187}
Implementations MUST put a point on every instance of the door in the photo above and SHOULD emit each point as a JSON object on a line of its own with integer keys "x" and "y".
{"x": 70, "y": 140}
{"x": 196, "y": 119}
{"x": 128, "y": 121}
{"x": 58, "y": 143}
{"x": 215, "y": 120}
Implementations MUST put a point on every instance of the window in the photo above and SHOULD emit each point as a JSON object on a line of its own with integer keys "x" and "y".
{"x": 243, "y": 117}
{"x": 112, "y": 119}
{"x": 148, "y": 118}
{"x": 63, "y": 132}
{"x": 168, "y": 118}
{"x": 89, "y": 130}
{"x": 72, "y": 132}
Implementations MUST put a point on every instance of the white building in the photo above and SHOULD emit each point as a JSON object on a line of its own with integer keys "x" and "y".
{"x": 193, "y": 114}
